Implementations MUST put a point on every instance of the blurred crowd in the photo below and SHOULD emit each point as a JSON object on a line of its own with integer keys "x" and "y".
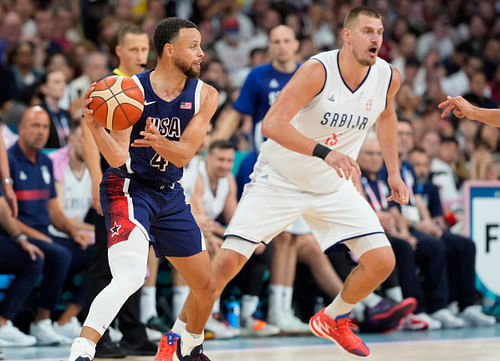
{"x": 51, "y": 51}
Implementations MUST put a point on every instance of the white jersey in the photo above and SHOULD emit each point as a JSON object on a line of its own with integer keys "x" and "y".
{"x": 189, "y": 175}
{"x": 337, "y": 117}
{"x": 214, "y": 203}
{"x": 77, "y": 195}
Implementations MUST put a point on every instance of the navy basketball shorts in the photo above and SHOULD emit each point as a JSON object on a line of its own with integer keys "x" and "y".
{"x": 163, "y": 216}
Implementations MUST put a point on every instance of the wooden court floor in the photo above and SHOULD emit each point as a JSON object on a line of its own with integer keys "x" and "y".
{"x": 447, "y": 345}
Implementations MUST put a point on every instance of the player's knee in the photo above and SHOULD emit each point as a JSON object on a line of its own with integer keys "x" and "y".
{"x": 283, "y": 240}
{"x": 379, "y": 262}
{"x": 205, "y": 287}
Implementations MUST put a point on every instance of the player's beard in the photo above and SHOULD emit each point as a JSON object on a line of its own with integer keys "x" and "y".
{"x": 363, "y": 61}
{"x": 187, "y": 69}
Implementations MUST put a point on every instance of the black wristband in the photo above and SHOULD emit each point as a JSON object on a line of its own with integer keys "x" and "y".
{"x": 321, "y": 151}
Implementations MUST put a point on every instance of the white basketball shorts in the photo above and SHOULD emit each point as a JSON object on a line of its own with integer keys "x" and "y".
{"x": 267, "y": 209}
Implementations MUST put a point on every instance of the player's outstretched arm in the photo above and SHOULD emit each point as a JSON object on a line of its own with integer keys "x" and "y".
{"x": 114, "y": 145}
{"x": 181, "y": 152}
{"x": 387, "y": 135}
{"x": 462, "y": 108}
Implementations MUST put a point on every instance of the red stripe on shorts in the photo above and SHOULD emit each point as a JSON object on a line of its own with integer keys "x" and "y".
{"x": 120, "y": 224}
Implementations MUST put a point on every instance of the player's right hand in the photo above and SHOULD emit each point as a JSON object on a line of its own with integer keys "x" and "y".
{"x": 88, "y": 114}
{"x": 343, "y": 164}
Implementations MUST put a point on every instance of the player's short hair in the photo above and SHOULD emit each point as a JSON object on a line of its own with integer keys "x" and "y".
{"x": 220, "y": 144}
{"x": 354, "y": 13}
{"x": 128, "y": 29}
{"x": 167, "y": 31}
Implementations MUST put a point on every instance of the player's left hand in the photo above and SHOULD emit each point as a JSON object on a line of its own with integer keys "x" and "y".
{"x": 399, "y": 192}
{"x": 151, "y": 136}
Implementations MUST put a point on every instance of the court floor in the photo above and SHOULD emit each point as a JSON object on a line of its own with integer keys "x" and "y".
{"x": 482, "y": 344}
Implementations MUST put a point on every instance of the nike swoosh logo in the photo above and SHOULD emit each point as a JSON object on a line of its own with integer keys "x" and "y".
{"x": 149, "y": 103}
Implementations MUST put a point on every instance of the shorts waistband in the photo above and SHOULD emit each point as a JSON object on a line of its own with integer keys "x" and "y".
{"x": 160, "y": 187}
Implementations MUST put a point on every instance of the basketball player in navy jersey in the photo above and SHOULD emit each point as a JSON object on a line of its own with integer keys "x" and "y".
{"x": 140, "y": 194}
{"x": 315, "y": 128}
{"x": 132, "y": 50}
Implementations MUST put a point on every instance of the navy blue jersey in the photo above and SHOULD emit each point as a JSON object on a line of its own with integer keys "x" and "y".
{"x": 171, "y": 118}
{"x": 33, "y": 185}
{"x": 258, "y": 93}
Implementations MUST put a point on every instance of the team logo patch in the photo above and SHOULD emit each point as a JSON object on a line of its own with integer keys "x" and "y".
{"x": 186, "y": 105}
{"x": 115, "y": 230}
{"x": 274, "y": 83}
{"x": 368, "y": 105}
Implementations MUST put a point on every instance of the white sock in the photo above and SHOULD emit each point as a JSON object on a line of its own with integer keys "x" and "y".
{"x": 216, "y": 308}
{"x": 178, "y": 326}
{"x": 287, "y": 298}
{"x": 371, "y": 300}
{"x": 180, "y": 293}
{"x": 249, "y": 305}
{"x": 395, "y": 293}
{"x": 189, "y": 341}
{"x": 275, "y": 298}
{"x": 338, "y": 307}
{"x": 148, "y": 303}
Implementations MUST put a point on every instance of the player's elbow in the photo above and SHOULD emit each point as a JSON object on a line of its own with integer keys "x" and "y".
{"x": 117, "y": 161}
{"x": 181, "y": 161}
{"x": 267, "y": 129}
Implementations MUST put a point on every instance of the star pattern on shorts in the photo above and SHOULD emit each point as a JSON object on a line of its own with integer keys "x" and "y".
{"x": 115, "y": 230}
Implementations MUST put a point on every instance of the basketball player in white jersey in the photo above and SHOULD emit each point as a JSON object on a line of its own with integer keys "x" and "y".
{"x": 315, "y": 128}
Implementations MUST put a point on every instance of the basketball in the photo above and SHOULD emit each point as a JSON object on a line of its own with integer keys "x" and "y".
{"x": 117, "y": 102}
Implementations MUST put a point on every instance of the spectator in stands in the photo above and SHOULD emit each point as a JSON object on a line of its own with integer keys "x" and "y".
{"x": 25, "y": 9}
{"x": 44, "y": 43}
{"x": 479, "y": 91}
{"x": 65, "y": 33}
{"x": 460, "y": 250}
{"x": 53, "y": 84}
{"x": 18, "y": 257}
{"x": 95, "y": 66}
{"x": 24, "y": 260}
{"x": 38, "y": 208}
{"x": 10, "y": 32}
{"x": 20, "y": 58}
{"x": 232, "y": 49}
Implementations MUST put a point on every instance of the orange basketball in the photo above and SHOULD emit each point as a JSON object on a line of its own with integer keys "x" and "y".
{"x": 117, "y": 102}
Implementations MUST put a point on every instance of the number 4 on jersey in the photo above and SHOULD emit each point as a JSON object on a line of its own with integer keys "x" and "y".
{"x": 158, "y": 162}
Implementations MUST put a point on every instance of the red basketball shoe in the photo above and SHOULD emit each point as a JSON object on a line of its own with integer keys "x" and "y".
{"x": 168, "y": 345}
{"x": 340, "y": 332}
